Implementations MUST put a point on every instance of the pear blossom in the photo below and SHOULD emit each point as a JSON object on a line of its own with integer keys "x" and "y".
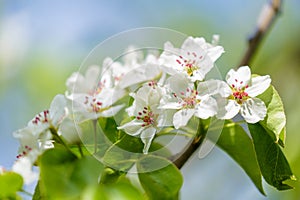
{"x": 239, "y": 95}
{"x": 23, "y": 166}
{"x": 36, "y": 136}
{"x": 195, "y": 58}
{"x": 186, "y": 101}
{"x": 144, "y": 109}
{"x": 90, "y": 83}
{"x": 87, "y": 107}
{"x": 50, "y": 118}
{"x": 135, "y": 68}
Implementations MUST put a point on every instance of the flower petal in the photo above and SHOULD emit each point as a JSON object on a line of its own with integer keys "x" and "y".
{"x": 227, "y": 109}
{"x": 182, "y": 117}
{"x": 215, "y": 52}
{"x": 170, "y": 105}
{"x": 147, "y": 137}
{"x": 206, "y": 108}
{"x": 178, "y": 83}
{"x": 133, "y": 127}
{"x": 212, "y": 87}
{"x": 57, "y": 109}
{"x": 23, "y": 166}
{"x": 253, "y": 110}
{"x": 259, "y": 85}
{"x": 242, "y": 74}
{"x": 111, "y": 111}
{"x": 166, "y": 118}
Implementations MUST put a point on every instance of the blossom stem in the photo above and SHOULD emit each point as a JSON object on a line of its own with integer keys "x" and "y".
{"x": 95, "y": 135}
{"x": 26, "y": 192}
{"x": 80, "y": 149}
{"x": 58, "y": 138}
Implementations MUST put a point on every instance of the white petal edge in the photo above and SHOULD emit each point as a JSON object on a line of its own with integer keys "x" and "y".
{"x": 253, "y": 110}
{"x": 242, "y": 74}
{"x": 147, "y": 136}
{"x": 229, "y": 110}
{"x": 212, "y": 87}
{"x": 182, "y": 117}
{"x": 259, "y": 85}
{"x": 206, "y": 108}
{"x": 133, "y": 127}
{"x": 57, "y": 109}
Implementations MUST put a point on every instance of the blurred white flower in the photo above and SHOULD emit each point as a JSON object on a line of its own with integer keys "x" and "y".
{"x": 23, "y": 166}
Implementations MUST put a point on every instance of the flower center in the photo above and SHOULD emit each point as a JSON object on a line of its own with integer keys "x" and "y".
{"x": 24, "y": 152}
{"x": 94, "y": 105}
{"x": 152, "y": 84}
{"x": 147, "y": 116}
{"x": 190, "y": 64}
{"x": 238, "y": 92}
{"x": 188, "y": 98}
{"x": 42, "y": 117}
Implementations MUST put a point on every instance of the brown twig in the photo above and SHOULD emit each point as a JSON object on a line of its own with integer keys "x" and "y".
{"x": 268, "y": 13}
{"x": 265, "y": 20}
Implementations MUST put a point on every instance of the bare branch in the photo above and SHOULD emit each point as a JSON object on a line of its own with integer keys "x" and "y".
{"x": 265, "y": 20}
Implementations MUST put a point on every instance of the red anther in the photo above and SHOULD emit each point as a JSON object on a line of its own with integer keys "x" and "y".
{"x": 236, "y": 80}
{"x": 145, "y": 108}
{"x": 138, "y": 117}
{"x": 144, "y": 111}
{"x": 99, "y": 103}
{"x": 181, "y": 57}
{"x": 178, "y": 61}
{"x": 233, "y": 85}
{"x": 139, "y": 113}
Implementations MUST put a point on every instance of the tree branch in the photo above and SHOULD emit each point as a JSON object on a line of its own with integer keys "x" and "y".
{"x": 267, "y": 16}
{"x": 265, "y": 20}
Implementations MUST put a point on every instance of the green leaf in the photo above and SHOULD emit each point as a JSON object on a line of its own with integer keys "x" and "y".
{"x": 163, "y": 183}
{"x": 275, "y": 120}
{"x": 237, "y": 144}
{"x": 10, "y": 184}
{"x": 122, "y": 190}
{"x": 120, "y": 138}
{"x": 63, "y": 175}
{"x": 273, "y": 164}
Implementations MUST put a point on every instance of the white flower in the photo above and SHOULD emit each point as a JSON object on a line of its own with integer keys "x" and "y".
{"x": 32, "y": 145}
{"x": 92, "y": 82}
{"x": 195, "y": 58}
{"x": 187, "y": 101}
{"x": 50, "y": 118}
{"x": 87, "y": 107}
{"x": 37, "y": 137}
{"x": 23, "y": 166}
{"x": 70, "y": 131}
{"x": 146, "y": 114}
{"x": 240, "y": 93}
{"x": 135, "y": 68}
{"x": 2, "y": 170}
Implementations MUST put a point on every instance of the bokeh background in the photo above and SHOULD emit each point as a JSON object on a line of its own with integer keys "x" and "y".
{"x": 43, "y": 42}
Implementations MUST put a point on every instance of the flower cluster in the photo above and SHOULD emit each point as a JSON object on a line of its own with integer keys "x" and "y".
{"x": 167, "y": 90}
